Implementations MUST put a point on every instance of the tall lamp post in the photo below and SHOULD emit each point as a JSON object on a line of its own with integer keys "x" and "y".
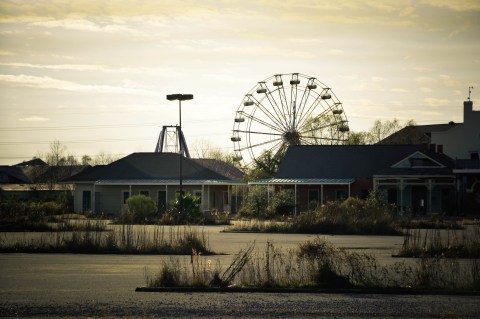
{"x": 180, "y": 98}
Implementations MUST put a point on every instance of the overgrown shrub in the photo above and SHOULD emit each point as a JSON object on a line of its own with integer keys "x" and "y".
{"x": 16, "y": 214}
{"x": 256, "y": 202}
{"x": 318, "y": 263}
{"x": 260, "y": 204}
{"x": 352, "y": 216}
{"x": 140, "y": 209}
{"x": 282, "y": 203}
{"x": 191, "y": 208}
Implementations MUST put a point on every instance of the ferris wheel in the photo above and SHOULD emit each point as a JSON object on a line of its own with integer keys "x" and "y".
{"x": 284, "y": 110}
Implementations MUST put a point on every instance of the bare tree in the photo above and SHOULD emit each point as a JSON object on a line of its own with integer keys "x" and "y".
{"x": 86, "y": 160}
{"x": 204, "y": 149}
{"x": 386, "y": 133}
{"x": 103, "y": 158}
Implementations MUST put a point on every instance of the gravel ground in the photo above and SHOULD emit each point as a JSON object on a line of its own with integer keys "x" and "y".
{"x": 79, "y": 286}
{"x": 251, "y": 305}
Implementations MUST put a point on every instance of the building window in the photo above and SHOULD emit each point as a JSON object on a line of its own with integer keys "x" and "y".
{"x": 364, "y": 194}
{"x": 341, "y": 194}
{"x": 178, "y": 193}
{"x": 162, "y": 201}
{"x": 144, "y": 193}
{"x": 313, "y": 196}
{"x": 225, "y": 198}
{"x": 86, "y": 201}
{"x": 474, "y": 156}
{"x": 125, "y": 196}
{"x": 198, "y": 194}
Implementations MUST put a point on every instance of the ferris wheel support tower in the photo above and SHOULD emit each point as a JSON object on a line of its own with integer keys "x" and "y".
{"x": 170, "y": 139}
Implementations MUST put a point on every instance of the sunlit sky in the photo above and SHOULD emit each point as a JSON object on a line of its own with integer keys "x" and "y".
{"x": 94, "y": 74}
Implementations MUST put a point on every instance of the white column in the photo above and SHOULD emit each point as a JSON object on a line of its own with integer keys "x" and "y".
{"x": 401, "y": 195}
{"x": 268, "y": 195}
{"x": 203, "y": 198}
{"x": 295, "y": 200}
{"x": 93, "y": 199}
{"x": 430, "y": 187}
{"x": 321, "y": 194}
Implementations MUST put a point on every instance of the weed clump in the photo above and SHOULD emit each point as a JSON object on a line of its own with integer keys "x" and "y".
{"x": 318, "y": 264}
{"x": 372, "y": 216}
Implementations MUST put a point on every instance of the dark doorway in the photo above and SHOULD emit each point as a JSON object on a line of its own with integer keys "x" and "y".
{"x": 162, "y": 201}
{"x": 448, "y": 201}
{"x": 86, "y": 201}
{"x": 419, "y": 200}
{"x": 392, "y": 196}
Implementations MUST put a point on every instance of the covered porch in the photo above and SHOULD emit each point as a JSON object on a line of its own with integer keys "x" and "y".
{"x": 418, "y": 194}
{"x": 309, "y": 191}
{"x": 109, "y": 196}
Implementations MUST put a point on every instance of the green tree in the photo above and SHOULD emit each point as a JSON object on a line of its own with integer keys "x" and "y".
{"x": 266, "y": 165}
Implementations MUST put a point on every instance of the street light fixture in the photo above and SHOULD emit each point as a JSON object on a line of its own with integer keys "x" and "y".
{"x": 180, "y": 98}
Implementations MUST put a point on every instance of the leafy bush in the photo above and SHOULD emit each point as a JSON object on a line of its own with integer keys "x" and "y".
{"x": 256, "y": 202}
{"x": 259, "y": 205}
{"x": 352, "y": 216}
{"x": 282, "y": 203}
{"x": 28, "y": 215}
{"x": 191, "y": 208}
{"x": 140, "y": 209}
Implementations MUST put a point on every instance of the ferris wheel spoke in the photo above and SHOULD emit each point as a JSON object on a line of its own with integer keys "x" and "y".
{"x": 314, "y": 105}
{"x": 263, "y": 133}
{"x": 319, "y": 128}
{"x": 283, "y": 100}
{"x": 278, "y": 148}
{"x": 272, "y": 117}
{"x": 279, "y": 112}
{"x": 303, "y": 105}
{"x": 259, "y": 144}
{"x": 305, "y": 119}
{"x": 256, "y": 119}
{"x": 313, "y": 140}
{"x": 309, "y": 111}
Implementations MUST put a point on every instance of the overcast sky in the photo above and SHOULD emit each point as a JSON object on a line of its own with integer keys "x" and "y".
{"x": 94, "y": 74}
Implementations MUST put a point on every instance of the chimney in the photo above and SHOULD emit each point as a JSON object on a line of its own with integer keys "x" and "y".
{"x": 440, "y": 149}
{"x": 467, "y": 110}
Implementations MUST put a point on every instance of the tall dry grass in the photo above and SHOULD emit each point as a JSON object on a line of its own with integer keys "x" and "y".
{"x": 124, "y": 239}
{"x": 318, "y": 264}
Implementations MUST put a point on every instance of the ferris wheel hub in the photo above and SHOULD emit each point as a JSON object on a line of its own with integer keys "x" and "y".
{"x": 292, "y": 137}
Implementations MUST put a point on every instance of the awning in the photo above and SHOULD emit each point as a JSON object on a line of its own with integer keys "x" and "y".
{"x": 106, "y": 182}
{"x": 303, "y": 181}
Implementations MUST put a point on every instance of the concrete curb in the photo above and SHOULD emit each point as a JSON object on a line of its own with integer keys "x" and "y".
{"x": 386, "y": 291}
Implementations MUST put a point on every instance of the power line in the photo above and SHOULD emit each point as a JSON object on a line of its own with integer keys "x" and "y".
{"x": 79, "y": 141}
{"x": 61, "y": 128}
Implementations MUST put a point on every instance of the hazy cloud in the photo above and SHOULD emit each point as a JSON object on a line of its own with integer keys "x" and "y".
{"x": 51, "y": 83}
{"x": 437, "y": 102}
{"x": 34, "y": 118}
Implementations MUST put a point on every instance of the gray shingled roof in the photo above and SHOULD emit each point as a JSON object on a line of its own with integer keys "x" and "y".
{"x": 347, "y": 161}
{"x": 149, "y": 166}
{"x": 13, "y": 175}
{"x": 221, "y": 167}
{"x": 416, "y": 134}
